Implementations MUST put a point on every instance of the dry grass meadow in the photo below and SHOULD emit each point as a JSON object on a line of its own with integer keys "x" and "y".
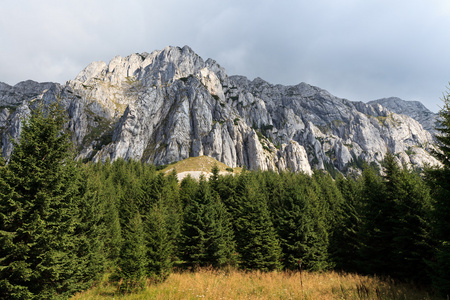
{"x": 211, "y": 284}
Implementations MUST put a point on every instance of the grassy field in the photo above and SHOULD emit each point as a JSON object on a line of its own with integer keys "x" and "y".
{"x": 210, "y": 284}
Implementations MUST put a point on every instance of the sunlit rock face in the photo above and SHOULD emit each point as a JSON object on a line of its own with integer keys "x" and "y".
{"x": 171, "y": 104}
{"x": 413, "y": 109}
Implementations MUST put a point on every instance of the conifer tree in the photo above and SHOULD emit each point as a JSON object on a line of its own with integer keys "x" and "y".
{"x": 439, "y": 180}
{"x": 345, "y": 242}
{"x": 188, "y": 190}
{"x": 112, "y": 237}
{"x": 376, "y": 232}
{"x": 257, "y": 242}
{"x": 39, "y": 200}
{"x": 301, "y": 227}
{"x": 92, "y": 227}
{"x": 412, "y": 226}
{"x": 132, "y": 260}
{"x": 214, "y": 178}
{"x": 160, "y": 249}
{"x": 207, "y": 238}
{"x": 397, "y": 225}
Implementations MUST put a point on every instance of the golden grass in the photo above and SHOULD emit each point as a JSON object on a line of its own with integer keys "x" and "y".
{"x": 211, "y": 284}
{"x": 199, "y": 163}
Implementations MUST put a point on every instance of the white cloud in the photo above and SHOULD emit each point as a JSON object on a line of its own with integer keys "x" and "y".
{"x": 356, "y": 49}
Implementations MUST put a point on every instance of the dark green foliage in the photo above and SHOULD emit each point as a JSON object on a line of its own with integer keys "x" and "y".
{"x": 330, "y": 208}
{"x": 257, "y": 241}
{"x": 412, "y": 241}
{"x": 443, "y": 137}
{"x": 439, "y": 180}
{"x": 301, "y": 227}
{"x": 132, "y": 260}
{"x": 345, "y": 243}
{"x": 396, "y": 232}
{"x": 160, "y": 247}
{"x": 42, "y": 249}
{"x": 92, "y": 226}
{"x": 377, "y": 218}
{"x": 161, "y": 209}
{"x": 207, "y": 238}
{"x": 112, "y": 237}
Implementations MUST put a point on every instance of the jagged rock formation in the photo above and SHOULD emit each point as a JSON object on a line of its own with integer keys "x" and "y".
{"x": 413, "y": 109}
{"x": 171, "y": 104}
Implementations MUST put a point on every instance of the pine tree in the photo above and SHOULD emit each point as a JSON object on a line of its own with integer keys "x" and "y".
{"x": 132, "y": 260}
{"x": 257, "y": 242}
{"x": 409, "y": 199}
{"x": 412, "y": 229}
{"x": 160, "y": 249}
{"x": 112, "y": 237}
{"x": 331, "y": 206}
{"x": 40, "y": 197}
{"x": 91, "y": 226}
{"x": 377, "y": 222}
{"x": 301, "y": 226}
{"x": 397, "y": 226}
{"x": 439, "y": 180}
{"x": 207, "y": 238}
{"x": 345, "y": 242}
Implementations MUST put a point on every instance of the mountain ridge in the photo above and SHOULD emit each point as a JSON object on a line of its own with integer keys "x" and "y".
{"x": 171, "y": 104}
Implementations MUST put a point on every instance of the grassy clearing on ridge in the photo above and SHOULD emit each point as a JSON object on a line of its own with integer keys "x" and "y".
{"x": 199, "y": 164}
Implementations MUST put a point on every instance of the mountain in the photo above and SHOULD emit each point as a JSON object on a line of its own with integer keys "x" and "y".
{"x": 169, "y": 105}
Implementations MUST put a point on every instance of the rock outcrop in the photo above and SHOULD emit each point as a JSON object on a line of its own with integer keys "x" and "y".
{"x": 413, "y": 109}
{"x": 171, "y": 104}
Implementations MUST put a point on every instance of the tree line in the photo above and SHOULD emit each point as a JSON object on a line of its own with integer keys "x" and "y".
{"x": 63, "y": 224}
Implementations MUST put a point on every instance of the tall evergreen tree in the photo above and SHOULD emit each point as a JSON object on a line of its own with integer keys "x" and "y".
{"x": 330, "y": 206}
{"x": 257, "y": 241}
{"x": 132, "y": 260}
{"x": 376, "y": 232}
{"x": 160, "y": 249}
{"x": 207, "y": 238}
{"x": 109, "y": 195}
{"x": 40, "y": 197}
{"x": 411, "y": 202}
{"x": 345, "y": 242}
{"x": 439, "y": 179}
{"x": 396, "y": 223}
{"x": 301, "y": 225}
{"x": 92, "y": 227}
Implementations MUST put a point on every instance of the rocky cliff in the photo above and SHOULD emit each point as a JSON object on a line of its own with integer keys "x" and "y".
{"x": 168, "y": 105}
{"x": 413, "y": 109}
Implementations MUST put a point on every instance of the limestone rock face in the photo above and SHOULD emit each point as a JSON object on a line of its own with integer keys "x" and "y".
{"x": 413, "y": 109}
{"x": 171, "y": 104}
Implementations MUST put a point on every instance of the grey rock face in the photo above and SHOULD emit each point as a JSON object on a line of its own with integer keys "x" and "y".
{"x": 413, "y": 109}
{"x": 170, "y": 104}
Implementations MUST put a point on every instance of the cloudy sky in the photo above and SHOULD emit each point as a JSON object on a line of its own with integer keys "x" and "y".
{"x": 356, "y": 49}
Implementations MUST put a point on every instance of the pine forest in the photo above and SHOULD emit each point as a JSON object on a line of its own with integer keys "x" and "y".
{"x": 65, "y": 223}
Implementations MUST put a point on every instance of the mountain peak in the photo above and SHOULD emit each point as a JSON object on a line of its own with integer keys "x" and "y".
{"x": 170, "y": 104}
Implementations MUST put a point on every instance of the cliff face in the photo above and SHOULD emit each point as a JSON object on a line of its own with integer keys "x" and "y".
{"x": 171, "y": 104}
{"x": 413, "y": 109}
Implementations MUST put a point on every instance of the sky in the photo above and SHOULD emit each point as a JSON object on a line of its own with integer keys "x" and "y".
{"x": 360, "y": 50}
